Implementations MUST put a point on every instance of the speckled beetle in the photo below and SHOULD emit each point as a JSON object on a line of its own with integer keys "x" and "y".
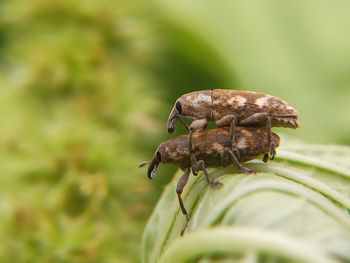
{"x": 233, "y": 108}
{"x": 213, "y": 149}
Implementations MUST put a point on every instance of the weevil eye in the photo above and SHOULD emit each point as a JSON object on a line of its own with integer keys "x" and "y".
{"x": 178, "y": 106}
{"x": 159, "y": 156}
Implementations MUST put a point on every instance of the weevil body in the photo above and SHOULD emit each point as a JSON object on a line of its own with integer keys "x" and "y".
{"x": 233, "y": 108}
{"x": 213, "y": 149}
{"x": 214, "y": 105}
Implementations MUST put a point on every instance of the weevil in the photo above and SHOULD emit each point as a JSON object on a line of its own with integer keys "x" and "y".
{"x": 212, "y": 148}
{"x": 233, "y": 108}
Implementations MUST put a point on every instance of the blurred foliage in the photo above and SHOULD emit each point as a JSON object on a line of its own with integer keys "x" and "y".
{"x": 75, "y": 90}
{"x": 86, "y": 86}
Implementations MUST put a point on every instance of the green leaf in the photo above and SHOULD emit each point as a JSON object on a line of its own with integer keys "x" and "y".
{"x": 296, "y": 209}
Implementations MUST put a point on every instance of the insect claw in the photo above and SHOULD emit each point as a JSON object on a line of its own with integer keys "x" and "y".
{"x": 249, "y": 171}
{"x": 266, "y": 157}
{"x": 272, "y": 151}
{"x": 194, "y": 172}
{"x": 217, "y": 184}
{"x": 186, "y": 224}
{"x": 296, "y": 123}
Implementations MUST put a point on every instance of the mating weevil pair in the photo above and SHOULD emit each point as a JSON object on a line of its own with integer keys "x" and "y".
{"x": 245, "y": 118}
{"x": 213, "y": 148}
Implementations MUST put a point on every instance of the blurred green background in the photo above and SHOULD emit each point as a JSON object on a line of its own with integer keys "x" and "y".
{"x": 86, "y": 88}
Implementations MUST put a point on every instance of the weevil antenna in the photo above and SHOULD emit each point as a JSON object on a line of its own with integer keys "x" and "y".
{"x": 144, "y": 163}
{"x": 185, "y": 125}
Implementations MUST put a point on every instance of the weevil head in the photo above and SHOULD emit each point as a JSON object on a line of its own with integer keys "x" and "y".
{"x": 286, "y": 121}
{"x": 173, "y": 151}
{"x": 195, "y": 105}
{"x": 283, "y": 114}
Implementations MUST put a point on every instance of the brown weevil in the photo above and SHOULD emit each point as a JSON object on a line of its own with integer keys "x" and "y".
{"x": 212, "y": 148}
{"x": 233, "y": 108}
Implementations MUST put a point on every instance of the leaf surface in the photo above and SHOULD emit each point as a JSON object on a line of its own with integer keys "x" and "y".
{"x": 300, "y": 200}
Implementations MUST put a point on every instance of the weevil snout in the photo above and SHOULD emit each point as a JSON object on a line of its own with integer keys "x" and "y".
{"x": 153, "y": 164}
{"x": 171, "y": 130}
{"x": 173, "y": 117}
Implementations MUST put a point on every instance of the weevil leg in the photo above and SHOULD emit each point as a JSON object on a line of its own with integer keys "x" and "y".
{"x": 199, "y": 125}
{"x": 241, "y": 167}
{"x": 261, "y": 118}
{"x": 226, "y": 121}
{"x": 272, "y": 145}
{"x": 232, "y": 139}
{"x": 196, "y": 125}
{"x": 194, "y": 164}
{"x": 266, "y": 157}
{"x": 193, "y": 157}
{"x": 202, "y": 167}
{"x": 230, "y": 120}
{"x": 180, "y": 186}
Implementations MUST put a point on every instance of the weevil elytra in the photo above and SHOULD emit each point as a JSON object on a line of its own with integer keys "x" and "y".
{"x": 212, "y": 148}
{"x": 233, "y": 108}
